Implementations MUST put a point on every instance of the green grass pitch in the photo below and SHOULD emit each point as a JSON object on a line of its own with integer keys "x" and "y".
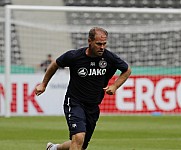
{"x": 112, "y": 133}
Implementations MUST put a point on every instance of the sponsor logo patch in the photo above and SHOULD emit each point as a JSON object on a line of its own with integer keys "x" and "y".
{"x": 82, "y": 72}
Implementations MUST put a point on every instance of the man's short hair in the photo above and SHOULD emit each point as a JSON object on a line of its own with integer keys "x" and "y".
{"x": 93, "y": 31}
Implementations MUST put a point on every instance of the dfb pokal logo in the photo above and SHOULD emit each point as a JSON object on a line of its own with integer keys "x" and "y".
{"x": 102, "y": 64}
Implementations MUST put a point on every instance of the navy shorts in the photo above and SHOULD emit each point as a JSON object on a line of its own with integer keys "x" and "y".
{"x": 81, "y": 118}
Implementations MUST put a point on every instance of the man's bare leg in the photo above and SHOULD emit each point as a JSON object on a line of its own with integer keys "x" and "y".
{"x": 74, "y": 144}
{"x": 77, "y": 141}
{"x": 64, "y": 146}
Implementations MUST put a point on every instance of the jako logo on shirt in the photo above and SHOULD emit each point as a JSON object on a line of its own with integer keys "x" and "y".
{"x": 82, "y": 72}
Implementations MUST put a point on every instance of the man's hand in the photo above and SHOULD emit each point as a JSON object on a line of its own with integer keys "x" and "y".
{"x": 120, "y": 80}
{"x": 110, "y": 90}
{"x": 39, "y": 89}
{"x": 52, "y": 68}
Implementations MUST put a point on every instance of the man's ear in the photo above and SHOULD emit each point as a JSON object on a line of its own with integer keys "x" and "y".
{"x": 89, "y": 40}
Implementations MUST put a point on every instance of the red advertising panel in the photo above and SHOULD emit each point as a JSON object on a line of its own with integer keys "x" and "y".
{"x": 145, "y": 94}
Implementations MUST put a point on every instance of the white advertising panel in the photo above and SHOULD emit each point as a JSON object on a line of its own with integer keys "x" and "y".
{"x": 25, "y": 102}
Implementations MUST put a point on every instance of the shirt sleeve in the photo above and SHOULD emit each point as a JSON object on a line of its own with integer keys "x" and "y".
{"x": 65, "y": 59}
{"x": 119, "y": 63}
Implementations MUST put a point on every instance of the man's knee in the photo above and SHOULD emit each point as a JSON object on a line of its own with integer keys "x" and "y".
{"x": 78, "y": 138}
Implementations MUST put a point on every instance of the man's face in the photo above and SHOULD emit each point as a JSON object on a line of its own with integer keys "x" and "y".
{"x": 98, "y": 45}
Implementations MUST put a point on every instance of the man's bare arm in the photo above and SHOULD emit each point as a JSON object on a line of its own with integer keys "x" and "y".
{"x": 121, "y": 79}
{"x": 52, "y": 68}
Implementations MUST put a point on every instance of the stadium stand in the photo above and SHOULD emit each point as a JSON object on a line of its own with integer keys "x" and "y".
{"x": 141, "y": 48}
{"x": 16, "y": 57}
{"x": 126, "y": 3}
{"x": 1, "y": 39}
{"x": 138, "y": 48}
{"x": 19, "y": 62}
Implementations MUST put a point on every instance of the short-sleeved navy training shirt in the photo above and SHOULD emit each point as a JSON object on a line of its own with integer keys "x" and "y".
{"x": 89, "y": 75}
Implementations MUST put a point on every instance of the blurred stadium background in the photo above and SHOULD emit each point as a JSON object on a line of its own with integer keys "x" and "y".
{"x": 149, "y": 42}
